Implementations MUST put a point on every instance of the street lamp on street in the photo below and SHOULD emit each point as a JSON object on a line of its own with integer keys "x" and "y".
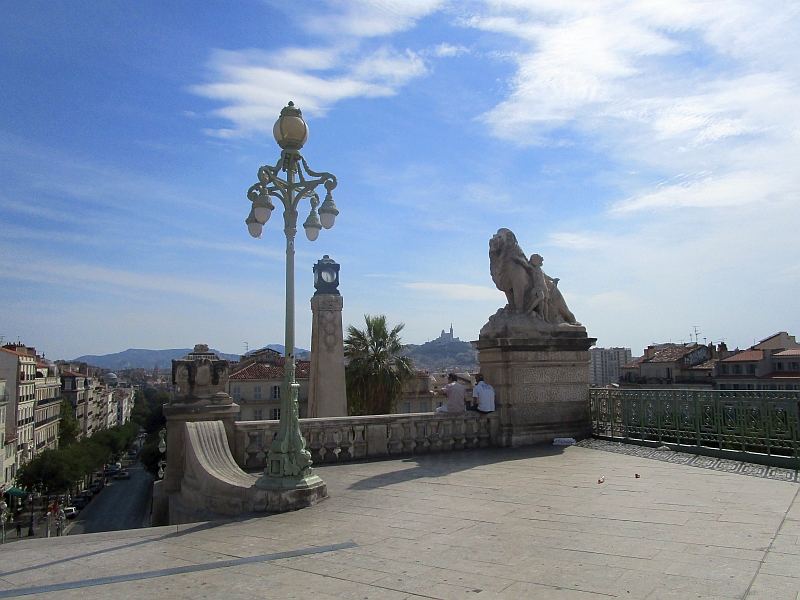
{"x": 288, "y": 460}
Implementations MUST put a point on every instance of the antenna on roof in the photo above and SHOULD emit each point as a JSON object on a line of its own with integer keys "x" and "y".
{"x": 246, "y": 347}
{"x": 696, "y": 333}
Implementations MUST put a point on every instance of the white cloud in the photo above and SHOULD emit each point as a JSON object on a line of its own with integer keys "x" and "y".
{"x": 370, "y": 18}
{"x": 254, "y": 86}
{"x": 447, "y": 50}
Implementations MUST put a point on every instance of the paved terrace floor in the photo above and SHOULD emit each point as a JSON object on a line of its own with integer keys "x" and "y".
{"x": 500, "y": 523}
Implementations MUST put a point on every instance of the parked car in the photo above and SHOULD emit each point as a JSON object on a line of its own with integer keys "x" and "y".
{"x": 96, "y": 487}
{"x": 122, "y": 475}
{"x": 111, "y": 470}
{"x": 71, "y": 512}
{"x": 79, "y": 503}
{"x": 87, "y": 495}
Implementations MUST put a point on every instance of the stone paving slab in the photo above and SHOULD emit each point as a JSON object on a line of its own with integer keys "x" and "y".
{"x": 490, "y": 524}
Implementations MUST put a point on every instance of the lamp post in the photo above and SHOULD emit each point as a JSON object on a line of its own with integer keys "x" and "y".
{"x": 288, "y": 461}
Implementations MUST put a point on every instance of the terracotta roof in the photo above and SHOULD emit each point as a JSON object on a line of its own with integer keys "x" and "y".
{"x": 634, "y": 363}
{"x": 792, "y": 352}
{"x": 72, "y": 374}
{"x": 672, "y": 354}
{"x": 17, "y": 352}
{"x": 746, "y": 356}
{"x": 269, "y": 371}
{"x": 709, "y": 364}
{"x": 782, "y": 375}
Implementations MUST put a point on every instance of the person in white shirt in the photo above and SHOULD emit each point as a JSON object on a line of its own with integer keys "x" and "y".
{"x": 482, "y": 396}
{"x": 456, "y": 396}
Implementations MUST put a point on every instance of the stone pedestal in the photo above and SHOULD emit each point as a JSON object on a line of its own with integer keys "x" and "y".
{"x": 327, "y": 395}
{"x": 541, "y": 384}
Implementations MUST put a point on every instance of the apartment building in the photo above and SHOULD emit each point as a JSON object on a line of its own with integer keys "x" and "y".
{"x": 605, "y": 364}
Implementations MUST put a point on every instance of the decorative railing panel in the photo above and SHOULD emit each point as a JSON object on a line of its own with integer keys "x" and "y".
{"x": 337, "y": 439}
{"x": 760, "y": 422}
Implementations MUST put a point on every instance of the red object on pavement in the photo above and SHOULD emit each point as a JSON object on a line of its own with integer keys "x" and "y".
{"x": 602, "y": 479}
{"x": 637, "y": 476}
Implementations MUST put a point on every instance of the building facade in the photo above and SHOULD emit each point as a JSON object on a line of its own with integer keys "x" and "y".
{"x": 47, "y": 409}
{"x": 18, "y": 368}
{"x": 256, "y": 385}
{"x": 771, "y": 364}
{"x": 605, "y": 363}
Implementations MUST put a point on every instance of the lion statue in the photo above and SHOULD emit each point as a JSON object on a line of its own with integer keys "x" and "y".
{"x": 528, "y": 289}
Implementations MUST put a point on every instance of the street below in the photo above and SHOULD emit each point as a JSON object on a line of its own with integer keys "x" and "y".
{"x": 122, "y": 504}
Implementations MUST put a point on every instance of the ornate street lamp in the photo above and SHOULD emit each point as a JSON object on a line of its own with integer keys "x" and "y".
{"x": 288, "y": 461}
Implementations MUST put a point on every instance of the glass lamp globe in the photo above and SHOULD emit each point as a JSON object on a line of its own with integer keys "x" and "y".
{"x": 327, "y": 219}
{"x": 312, "y": 233}
{"x": 262, "y": 214}
{"x": 254, "y": 229}
{"x": 290, "y": 130}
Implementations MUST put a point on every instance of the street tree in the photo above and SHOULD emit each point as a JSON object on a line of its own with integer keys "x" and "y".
{"x": 377, "y": 369}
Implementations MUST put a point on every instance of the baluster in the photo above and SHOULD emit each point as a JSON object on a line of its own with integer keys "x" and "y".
{"x": 359, "y": 443}
{"x": 435, "y": 436}
{"x": 459, "y": 439}
{"x": 447, "y": 433}
{"x": 422, "y": 445}
{"x": 330, "y": 444}
{"x": 408, "y": 439}
{"x": 472, "y": 433}
{"x": 483, "y": 425}
{"x": 345, "y": 443}
{"x": 315, "y": 443}
{"x": 395, "y": 443}
{"x": 252, "y": 450}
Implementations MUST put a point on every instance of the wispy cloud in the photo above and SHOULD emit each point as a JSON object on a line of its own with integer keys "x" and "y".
{"x": 254, "y": 86}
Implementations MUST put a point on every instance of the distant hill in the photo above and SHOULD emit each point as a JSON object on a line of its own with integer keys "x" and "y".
{"x": 444, "y": 356}
{"x": 136, "y": 358}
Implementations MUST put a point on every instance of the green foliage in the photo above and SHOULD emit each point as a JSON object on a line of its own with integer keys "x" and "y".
{"x": 152, "y": 421}
{"x": 377, "y": 371}
{"x": 58, "y": 469}
{"x": 68, "y": 430}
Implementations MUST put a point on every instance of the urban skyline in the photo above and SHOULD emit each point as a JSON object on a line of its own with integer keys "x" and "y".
{"x": 652, "y": 168}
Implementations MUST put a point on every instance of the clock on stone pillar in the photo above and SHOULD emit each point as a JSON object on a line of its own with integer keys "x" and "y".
{"x": 326, "y": 277}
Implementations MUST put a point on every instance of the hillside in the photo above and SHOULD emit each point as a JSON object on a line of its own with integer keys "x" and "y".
{"x": 447, "y": 356}
{"x": 137, "y": 358}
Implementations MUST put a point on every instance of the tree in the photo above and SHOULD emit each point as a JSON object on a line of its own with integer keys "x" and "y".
{"x": 377, "y": 371}
{"x": 68, "y": 430}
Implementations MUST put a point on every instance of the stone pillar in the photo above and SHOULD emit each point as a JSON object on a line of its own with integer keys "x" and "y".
{"x": 202, "y": 378}
{"x": 327, "y": 396}
{"x": 541, "y": 385}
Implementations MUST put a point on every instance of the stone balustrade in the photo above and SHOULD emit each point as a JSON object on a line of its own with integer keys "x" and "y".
{"x": 335, "y": 439}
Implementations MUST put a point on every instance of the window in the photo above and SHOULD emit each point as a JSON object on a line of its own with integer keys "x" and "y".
{"x": 751, "y": 369}
{"x": 423, "y": 407}
{"x": 795, "y": 366}
{"x": 438, "y": 404}
{"x": 237, "y": 393}
{"x": 275, "y": 392}
{"x": 274, "y": 414}
{"x": 407, "y": 407}
{"x": 724, "y": 369}
{"x": 257, "y": 392}
{"x": 258, "y": 414}
{"x": 737, "y": 369}
{"x": 779, "y": 366}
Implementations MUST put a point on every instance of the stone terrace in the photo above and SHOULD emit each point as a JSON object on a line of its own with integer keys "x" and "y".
{"x": 496, "y": 523}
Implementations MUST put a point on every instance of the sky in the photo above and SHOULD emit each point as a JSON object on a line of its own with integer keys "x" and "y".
{"x": 648, "y": 150}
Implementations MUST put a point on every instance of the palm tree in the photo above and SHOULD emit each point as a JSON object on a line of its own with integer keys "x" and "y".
{"x": 377, "y": 371}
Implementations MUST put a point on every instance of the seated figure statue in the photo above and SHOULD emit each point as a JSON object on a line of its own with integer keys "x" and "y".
{"x": 534, "y": 300}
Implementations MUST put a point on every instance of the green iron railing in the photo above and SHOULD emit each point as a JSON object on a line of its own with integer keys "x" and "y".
{"x": 753, "y": 422}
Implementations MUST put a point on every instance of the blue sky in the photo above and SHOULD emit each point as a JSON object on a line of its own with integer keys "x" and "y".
{"x": 648, "y": 151}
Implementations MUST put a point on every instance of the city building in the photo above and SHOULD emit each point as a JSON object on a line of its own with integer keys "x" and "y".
{"x": 123, "y": 404}
{"x": 605, "y": 363}
{"x": 255, "y": 385}
{"x": 771, "y": 364}
{"x": 689, "y": 365}
{"x": 76, "y": 388}
{"x": 18, "y": 368}
{"x": 7, "y": 458}
{"x": 47, "y": 407}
